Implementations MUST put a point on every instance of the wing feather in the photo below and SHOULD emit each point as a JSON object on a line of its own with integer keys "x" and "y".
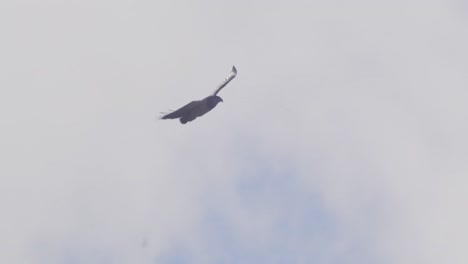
{"x": 184, "y": 110}
{"x": 229, "y": 78}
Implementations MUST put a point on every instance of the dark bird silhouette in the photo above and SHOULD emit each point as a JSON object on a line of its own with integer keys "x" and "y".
{"x": 195, "y": 109}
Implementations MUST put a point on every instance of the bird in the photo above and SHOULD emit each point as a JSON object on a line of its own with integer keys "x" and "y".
{"x": 194, "y": 109}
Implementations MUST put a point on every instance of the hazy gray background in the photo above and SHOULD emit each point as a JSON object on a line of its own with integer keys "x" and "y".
{"x": 342, "y": 139}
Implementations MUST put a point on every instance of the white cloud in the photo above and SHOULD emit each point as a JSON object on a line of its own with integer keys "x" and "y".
{"x": 342, "y": 138}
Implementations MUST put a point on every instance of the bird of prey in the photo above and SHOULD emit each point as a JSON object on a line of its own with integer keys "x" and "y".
{"x": 195, "y": 109}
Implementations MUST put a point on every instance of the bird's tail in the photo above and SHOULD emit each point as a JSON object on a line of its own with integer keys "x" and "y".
{"x": 164, "y": 114}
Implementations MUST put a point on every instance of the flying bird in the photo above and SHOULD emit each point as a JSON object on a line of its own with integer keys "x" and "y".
{"x": 195, "y": 109}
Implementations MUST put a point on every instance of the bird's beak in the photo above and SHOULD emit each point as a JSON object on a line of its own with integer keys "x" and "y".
{"x": 222, "y": 100}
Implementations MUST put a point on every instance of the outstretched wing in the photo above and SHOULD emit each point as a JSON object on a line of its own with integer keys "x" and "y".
{"x": 184, "y": 110}
{"x": 231, "y": 76}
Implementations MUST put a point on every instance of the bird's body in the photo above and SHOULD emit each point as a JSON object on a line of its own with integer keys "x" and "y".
{"x": 195, "y": 109}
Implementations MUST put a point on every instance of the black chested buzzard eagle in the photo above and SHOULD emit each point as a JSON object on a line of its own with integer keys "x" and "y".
{"x": 196, "y": 109}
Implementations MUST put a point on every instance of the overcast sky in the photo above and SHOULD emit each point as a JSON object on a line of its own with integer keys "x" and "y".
{"x": 341, "y": 140}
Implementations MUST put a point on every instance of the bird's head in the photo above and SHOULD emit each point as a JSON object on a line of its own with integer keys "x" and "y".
{"x": 214, "y": 100}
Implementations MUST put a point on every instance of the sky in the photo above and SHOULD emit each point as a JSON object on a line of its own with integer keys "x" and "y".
{"x": 341, "y": 140}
